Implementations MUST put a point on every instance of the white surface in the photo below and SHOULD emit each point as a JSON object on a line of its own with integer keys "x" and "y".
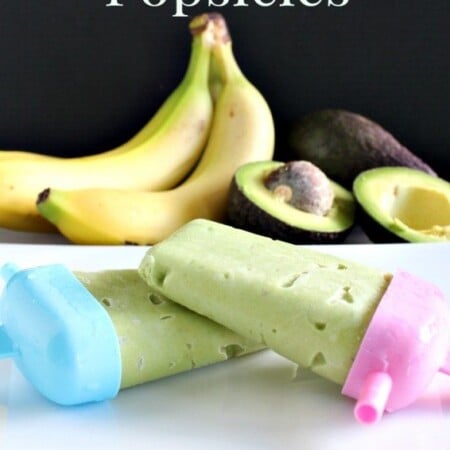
{"x": 249, "y": 403}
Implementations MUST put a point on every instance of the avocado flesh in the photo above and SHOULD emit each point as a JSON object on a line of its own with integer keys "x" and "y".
{"x": 254, "y": 207}
{"x": 408, "y": 203}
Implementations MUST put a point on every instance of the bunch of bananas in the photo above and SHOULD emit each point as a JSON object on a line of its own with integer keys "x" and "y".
{"x": 177, "y": 168}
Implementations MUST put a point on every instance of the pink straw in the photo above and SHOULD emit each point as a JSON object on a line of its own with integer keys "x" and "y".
{"x": 373, "y": 398}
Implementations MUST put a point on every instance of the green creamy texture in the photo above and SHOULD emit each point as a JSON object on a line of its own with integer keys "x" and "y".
{"x": 311, "y": 307}
{"x": 157, "y": 337}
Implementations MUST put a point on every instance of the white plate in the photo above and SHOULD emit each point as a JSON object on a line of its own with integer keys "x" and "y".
{"x": 248, "y": 403}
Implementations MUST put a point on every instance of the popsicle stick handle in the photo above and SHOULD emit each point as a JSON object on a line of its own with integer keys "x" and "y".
{"x": 373, "y": 397}
{"x": 6, "y": 345}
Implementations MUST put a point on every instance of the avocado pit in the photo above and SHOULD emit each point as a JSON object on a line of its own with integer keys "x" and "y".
{"x": 302, "y": 185}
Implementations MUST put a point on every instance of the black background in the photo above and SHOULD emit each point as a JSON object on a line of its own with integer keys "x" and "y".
{"x": 78, "y": 77}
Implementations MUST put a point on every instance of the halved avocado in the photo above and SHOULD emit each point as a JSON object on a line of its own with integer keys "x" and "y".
{"x": 255, "y": 207}
{"x": 400, "y": 204}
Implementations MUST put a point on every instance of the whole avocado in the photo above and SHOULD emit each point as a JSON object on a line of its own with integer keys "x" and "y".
{"x": 344, "y": 144}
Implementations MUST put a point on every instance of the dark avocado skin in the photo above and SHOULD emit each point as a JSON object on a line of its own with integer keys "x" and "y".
{"x": 242, "y": 213}
{"x": 377, "y": 233}
{"x": 343, "y": 144}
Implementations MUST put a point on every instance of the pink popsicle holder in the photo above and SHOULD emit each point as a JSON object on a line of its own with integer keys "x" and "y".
{"x": 405, "y": 345}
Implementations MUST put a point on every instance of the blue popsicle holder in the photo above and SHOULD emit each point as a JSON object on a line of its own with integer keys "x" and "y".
{"x": 60, "y": 337}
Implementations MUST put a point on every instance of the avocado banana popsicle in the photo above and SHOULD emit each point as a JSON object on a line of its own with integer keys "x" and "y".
{"x": 157, "y": 337}
{"x": 80, "y": 337}
{"x": 320, "y": 311}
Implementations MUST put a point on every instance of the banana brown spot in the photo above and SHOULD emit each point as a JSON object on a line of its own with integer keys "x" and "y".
{"x": 43, "y": 196}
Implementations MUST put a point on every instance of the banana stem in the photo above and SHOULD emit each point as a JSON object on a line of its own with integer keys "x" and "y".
{"x": 199, "y": 61}
{"x": 223, "y": 66}
{"x": 223, "y": 63}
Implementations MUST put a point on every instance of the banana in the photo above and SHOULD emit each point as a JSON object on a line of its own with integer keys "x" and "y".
{"x": 160, "y": 116}
{"x": 242, "y": 131}
{"x": 156, "y": 121}
{"x": 159, "y": 157}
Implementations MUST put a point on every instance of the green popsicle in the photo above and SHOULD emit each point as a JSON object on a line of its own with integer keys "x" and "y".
{"x": 158, "y": 337}
{"x": 308, "y": 306}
